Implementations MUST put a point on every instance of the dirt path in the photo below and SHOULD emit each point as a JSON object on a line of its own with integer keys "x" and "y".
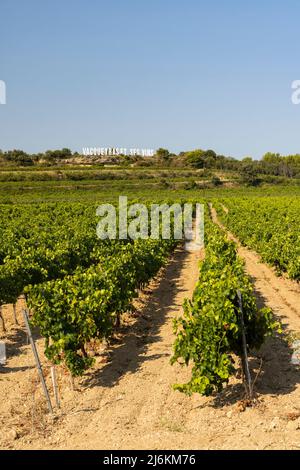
{"x": 127, "y": 401}
{"x": 133, "y": 394}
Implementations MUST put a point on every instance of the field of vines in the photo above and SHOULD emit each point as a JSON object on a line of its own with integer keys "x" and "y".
{"x": 75, "y": 284}
{"x": 270, "y": 226}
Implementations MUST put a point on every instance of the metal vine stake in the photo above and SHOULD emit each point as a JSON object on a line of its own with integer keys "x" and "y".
{"x": 245, "y": 362}
{"x": 37, "y": 360}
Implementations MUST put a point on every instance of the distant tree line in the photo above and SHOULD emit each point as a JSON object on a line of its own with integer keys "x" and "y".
{"x": 272, "y": 164}
{"x": 250, "y": 170}
{"x": 19, "y": 157}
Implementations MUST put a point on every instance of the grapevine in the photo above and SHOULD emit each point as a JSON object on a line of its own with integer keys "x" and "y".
{"x": 209, "y": 332}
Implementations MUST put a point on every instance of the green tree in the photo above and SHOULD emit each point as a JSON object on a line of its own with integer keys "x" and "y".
{"x": 195, "y": 158}
{"x": 163, "y": 154}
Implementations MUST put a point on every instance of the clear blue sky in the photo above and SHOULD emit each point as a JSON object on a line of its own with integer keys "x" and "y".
{"x": 136, "y": 73}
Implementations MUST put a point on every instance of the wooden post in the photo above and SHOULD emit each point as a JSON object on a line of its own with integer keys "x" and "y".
{"x": 245, "y": 361}
{"x": 55, "y": 388}
{"x": 37, "y": 360}
{"x": 2, "y": 319}
{"x": 72, "y": 382}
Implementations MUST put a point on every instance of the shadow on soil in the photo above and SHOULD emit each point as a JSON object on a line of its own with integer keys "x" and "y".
{"x": 130, "y": 355}
{"x": 9, "y": 370}
{"x": 17, "y": 339}
{"x": 277, "y": 376}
